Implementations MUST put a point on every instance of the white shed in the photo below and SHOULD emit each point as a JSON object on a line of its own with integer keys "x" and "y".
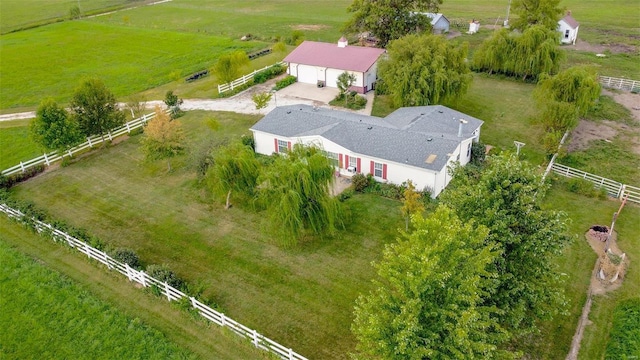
{"x": 414, "y": 143}
{"x": 439, "y": 23}
{"x": 321, "y": 63}
{"x": 568, "y": 28}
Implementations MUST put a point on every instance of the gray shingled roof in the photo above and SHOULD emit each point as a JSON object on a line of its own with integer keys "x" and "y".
{"x": 408, "y": 135}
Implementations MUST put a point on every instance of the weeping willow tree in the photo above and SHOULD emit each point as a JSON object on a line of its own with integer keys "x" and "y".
{"x": 425, "y": 70}
{"x": 527, "y": 55}
{"x": 235, "y": 170}
{"x": 562, "y": 99}
{"x": 296, "y": 191}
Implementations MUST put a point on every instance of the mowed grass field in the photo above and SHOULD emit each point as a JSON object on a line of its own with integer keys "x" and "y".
{"x": 301, "y": 297}
{"x": 15, "y": 143}
{"x": 51, "y": 61}
{"x": 56, "y": 304}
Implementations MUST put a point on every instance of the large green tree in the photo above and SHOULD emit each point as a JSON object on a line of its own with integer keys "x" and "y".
{"x": 537, "y": 12}
{"x": 528, "y": 55}
{"x": 425, "y": 70}
{"x": 427, "y": 303}
{"x": 296, "y": 192}
{"x": 229, "y": 66}
{"x": 390, "y": 19}
{"x": 562, "y": 99}
{"x": 506, "y": 198}
{"x": 235, "y": 169}
{"x": 52, "y": 128}
{"x": 95, "y": 108}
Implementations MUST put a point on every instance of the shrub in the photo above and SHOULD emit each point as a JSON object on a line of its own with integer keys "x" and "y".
{"x": 249, "y": 141}
{"x": 381, "y": 88}
{"x": 126, "y": 256}
{"x": 285, "y": 82}
{"x": 478, "y": 153}
{"x": 236, "y": 90}
{"x": 359, "y": 182}
{"x": 8, "y": 181}
{"x": 269, "y": 73}
{"x": 586, "y": 188}
{"x": 347, "y": 194}
{"x": 164, "y": 274}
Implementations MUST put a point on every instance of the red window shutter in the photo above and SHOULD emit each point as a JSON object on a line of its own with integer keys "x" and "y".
{"x": 289, "y": 145}
{"x": 384, "y": 171}
{"x": 371, "y": 169}
{"x": 275, "y": 141}
{"x": 359, "y": 169}
{"x": 346, "y": 161}
{"x": 340, "y": 163}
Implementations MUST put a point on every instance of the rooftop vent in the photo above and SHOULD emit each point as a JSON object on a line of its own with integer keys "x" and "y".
{"x": 431, "y": 158}
{"x": 429, "y": 139}
{"x": 343, "y": 42}
{"x": 370, "y": 127}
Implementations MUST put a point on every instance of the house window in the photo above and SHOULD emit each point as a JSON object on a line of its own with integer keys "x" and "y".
{"x": 353, "y": 163}
{"x": 566, "y": 34}
{"x": 377, "y": 170}
{"x": 283, "y": 146}
{"x": 333, "y": 158}
{"x": 468, "y": 150}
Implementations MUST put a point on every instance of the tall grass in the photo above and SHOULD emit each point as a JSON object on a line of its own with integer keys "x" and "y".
{"x": 45, "y": 315}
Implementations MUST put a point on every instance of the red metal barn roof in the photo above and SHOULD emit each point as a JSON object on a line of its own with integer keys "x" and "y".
{"x": 352, "y": 58}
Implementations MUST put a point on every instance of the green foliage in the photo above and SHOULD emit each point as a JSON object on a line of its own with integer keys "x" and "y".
{"x": 74, "y": 12}
{"x": 297, "y": 194}
{"x": 261, "y": 100}
{"x": 478, "y": 152}
{"x": 295, "y": 38}
{"x": 390, "y": 20}
{"x": 586, "y": 188}
{"x": 349, "y": 100}
{"x": 506, "y": 198}
{"x": 527, "y": 55}
{"x": 425, "y": 70}
{"x": 52, "y": 128}
{"x": 127, "y": 256}
{"x": 95, "y": 108}
{"x": 173, "y": 102}
{"x": 280, "y": 47}
{"x": 536, "y": 12}
{"x": 248, "y": 141}
{"x": 235, "y": 170}
{"x": 605, "y": 108}
{"x": 7, "y": 181}
{"x": 289, "y": 80}
{"x": 345, "y": 81}
{"x": 166, "y": 275}
{"x": 624, "y": 339}
{"x": 411, "y": 203}
{"x": 269, "y": 73}
{"x": 229, "y": 66}
{"x": 163, "y": 137}
{"x": 428, "y": 303}
{"x": 137, "y": 105}
{"x": 359, "y": 182}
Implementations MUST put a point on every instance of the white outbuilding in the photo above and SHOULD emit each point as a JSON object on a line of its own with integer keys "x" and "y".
{"x": 412, "y": 143}
{"x": 568, "y": 28}
{"x": 320, "y": 64}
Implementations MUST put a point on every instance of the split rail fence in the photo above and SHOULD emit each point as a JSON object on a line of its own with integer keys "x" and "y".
{"x": 171, "y": 293}
{"x": 244, "y": 79}
{"x": 613, "y": 188}
{"x": 617, "y": 83}
{"x": 48, "y": 159}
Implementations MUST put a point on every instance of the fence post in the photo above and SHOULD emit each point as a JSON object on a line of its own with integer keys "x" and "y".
{"x": 144, "y": 280}
{"x": 128, "y": 128}
{"x": 127, "y": 269}
{"x": 70, "y": 153}
{"x": 110, "y": 137}
{"x": 89, "y": 140}
{"x": 255, "y": 338}
{"x": 86, "y": 248}
{"x": 623, "y": 187}
{"x": 46, "y": 159}
{"x": 21, "y": 166}
{"x": 222, "y": 321}
{"x": 166, "y": 289}
{"x": 290, "y": 354}
{"x": 193, "y": 302}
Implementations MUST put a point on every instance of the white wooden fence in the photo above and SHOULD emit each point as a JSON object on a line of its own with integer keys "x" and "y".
{"x": 167, "y": 290}
{"x": 617, "y": 83}
{"x": 48, "y": 159}
{"x": 244, "y": 79}
{"x": 614, "y": 188}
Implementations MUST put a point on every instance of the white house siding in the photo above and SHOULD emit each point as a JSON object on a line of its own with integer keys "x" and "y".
{"x": 441, "y": 26}
{"x": 312, "y": 74}
{"x": 305, "y": 73}
{"x": 571, "y": 36}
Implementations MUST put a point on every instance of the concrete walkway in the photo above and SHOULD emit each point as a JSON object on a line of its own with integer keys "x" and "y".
{"x": 297, "y": 93}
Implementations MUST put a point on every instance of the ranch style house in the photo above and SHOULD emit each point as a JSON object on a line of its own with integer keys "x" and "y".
{"x": 412, "y": 143}
{"x": 320, "y": 64}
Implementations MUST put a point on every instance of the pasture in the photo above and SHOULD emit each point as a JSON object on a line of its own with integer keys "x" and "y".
{"x": 46, "y": 315}
{"x": 16, "y": 144}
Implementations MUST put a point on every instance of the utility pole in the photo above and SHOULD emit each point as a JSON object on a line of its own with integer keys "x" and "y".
{"x": 613, "y": 222}
{"x": 506, "y": 21}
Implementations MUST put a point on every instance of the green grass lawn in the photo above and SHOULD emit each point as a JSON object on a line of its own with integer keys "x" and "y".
{"x": 57, "y": 304}
{"x": 46, "y": 315}
{"x": 127, "y": 59}
{"x": 21, "y": 14}
{"x": 15, "y": 143}
{"x": 302, "y": 297}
